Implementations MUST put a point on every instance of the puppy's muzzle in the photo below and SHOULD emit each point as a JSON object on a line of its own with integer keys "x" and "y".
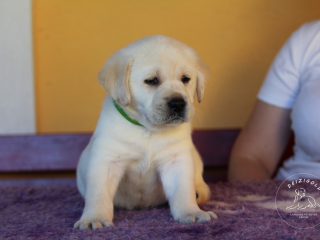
{"x": 177, "y": 106}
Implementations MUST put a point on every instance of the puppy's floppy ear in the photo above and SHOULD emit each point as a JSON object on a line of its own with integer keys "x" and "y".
{"x": 114, "y": 77}
{"x": 202, "y": 79}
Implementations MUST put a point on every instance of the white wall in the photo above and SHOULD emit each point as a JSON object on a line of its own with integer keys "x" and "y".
{"x": 17, "y": 101}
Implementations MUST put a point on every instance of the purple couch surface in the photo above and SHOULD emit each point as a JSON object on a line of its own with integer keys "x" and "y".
{"x": 246, "y": 210}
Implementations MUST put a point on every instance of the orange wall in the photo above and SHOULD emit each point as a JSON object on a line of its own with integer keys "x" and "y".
{"x": 237, "y": 39}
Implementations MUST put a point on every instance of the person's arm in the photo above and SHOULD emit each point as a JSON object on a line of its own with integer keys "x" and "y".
{"x": 260, "y": 144}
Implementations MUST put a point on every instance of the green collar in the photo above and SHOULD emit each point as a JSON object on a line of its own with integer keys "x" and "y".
{"x": 120, "y": 110}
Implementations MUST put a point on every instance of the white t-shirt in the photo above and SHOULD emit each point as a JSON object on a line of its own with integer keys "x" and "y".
{"x": 293, "y": 82}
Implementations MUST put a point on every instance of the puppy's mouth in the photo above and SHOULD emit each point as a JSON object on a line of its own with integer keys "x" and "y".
{"x": 172, "y": 119}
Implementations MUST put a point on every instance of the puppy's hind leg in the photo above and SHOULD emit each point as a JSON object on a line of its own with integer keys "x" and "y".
{"x": 202, "y": 189}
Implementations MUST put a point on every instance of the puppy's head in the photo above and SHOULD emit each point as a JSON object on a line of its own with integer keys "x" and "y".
{"x": 155, "y": 80}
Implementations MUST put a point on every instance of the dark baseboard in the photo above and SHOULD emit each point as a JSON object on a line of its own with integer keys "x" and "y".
{"x": 43, "y": 152}
{"x": 35, "y": 159}
{"x": 51, "y": 159}
{"x": 61, "y": 152}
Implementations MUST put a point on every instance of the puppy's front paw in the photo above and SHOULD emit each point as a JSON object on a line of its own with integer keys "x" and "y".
{"x": 196, "y": 216}
{"x": 92, "y": 224}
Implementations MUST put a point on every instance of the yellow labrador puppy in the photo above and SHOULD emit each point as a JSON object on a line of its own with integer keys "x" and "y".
{"x": 141, "y": 153}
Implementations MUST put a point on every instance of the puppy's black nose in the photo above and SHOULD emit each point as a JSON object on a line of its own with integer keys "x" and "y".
{"x": 177, "y": 104}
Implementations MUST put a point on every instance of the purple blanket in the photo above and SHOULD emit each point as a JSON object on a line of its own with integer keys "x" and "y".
{"x": 245, "y": 211}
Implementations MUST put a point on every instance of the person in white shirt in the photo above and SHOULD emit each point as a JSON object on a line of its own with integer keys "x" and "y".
{"x": 289, "y": 99}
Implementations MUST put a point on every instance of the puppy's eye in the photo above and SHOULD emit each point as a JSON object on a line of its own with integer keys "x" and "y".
{"x": 185, "y": 79}
{"x": 152, "y": 81}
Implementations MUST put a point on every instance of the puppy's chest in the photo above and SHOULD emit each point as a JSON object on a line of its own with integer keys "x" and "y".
{"x": 141, "y": 167}
{"x": 140, "y": 186}
{"x": 147, "y": 152}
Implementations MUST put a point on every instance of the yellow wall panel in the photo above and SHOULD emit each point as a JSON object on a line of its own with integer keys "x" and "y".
{"x": 237, "y": 39}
